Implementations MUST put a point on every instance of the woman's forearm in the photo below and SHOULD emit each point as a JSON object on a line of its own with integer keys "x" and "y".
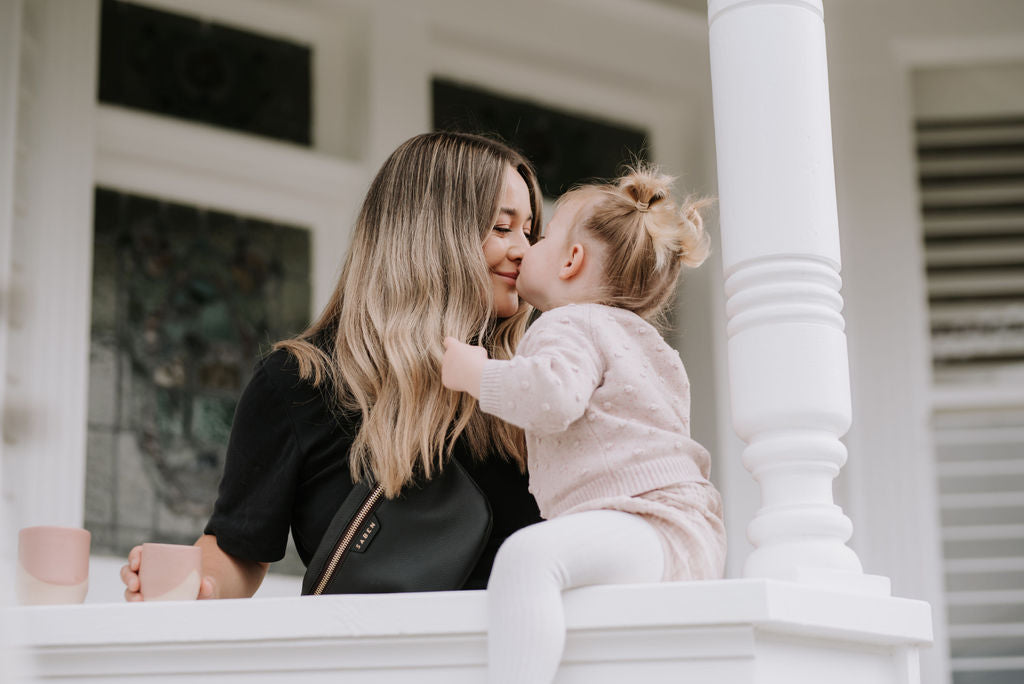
{"x": 225, "y": 576}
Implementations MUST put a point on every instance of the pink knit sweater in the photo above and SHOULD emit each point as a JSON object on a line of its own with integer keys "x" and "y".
{"x": 605, "y": 404}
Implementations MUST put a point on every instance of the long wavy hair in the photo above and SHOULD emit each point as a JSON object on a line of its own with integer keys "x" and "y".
{"x": 415, "y": 272}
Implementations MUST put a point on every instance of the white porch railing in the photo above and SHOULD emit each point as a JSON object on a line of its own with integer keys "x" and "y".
{"x": 732, "y": 632}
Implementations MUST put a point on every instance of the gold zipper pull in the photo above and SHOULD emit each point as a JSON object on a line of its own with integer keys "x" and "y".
{"x": 346, "y": 539}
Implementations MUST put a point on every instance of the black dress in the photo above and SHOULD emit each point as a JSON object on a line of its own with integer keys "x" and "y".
{"x": 287, "y": 467}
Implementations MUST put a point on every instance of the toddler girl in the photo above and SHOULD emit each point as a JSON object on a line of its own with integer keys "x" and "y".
{"x": 605, "y": 404}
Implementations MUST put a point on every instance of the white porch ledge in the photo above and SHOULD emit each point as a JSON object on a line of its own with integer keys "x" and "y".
{"x": 732, "y": 631}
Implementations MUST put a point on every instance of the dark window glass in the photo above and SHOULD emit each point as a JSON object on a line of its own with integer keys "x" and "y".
{"x": 177, "y": 66}
{"x": 565, "y": 148}
{"x": 184, "y": 301}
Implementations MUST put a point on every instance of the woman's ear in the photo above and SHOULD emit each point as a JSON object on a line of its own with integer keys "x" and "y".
{"x": 573, "y": 263}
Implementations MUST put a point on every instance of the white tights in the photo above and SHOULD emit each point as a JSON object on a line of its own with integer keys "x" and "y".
{"x": 526, "y": 631}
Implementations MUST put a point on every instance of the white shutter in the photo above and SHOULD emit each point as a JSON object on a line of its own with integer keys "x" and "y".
{"x": 972, "y": 195}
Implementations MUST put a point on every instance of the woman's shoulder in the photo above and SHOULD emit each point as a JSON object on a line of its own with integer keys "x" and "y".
{"x": 278, "y": 374}
{"x": 278, "y": 364}
{"x": 281, "y": 365}
{"x": 278, "y": 382}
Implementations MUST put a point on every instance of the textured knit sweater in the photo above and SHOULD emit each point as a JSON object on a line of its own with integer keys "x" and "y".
{"x": 605, "y": 404}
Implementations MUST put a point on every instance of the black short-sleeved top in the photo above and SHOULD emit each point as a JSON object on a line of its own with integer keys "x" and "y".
{"x": 287, "y": 467}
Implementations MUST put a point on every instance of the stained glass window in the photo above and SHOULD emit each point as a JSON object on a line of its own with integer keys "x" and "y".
{"x": 184, "y": 301}
{"x": 177, "y": 66}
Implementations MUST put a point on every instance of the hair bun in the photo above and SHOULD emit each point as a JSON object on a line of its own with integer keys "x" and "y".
{"x": 645, "y": 186}
{"x": 676, "y": 230}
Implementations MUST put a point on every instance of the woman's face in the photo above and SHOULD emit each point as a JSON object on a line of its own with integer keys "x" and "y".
{"x": 507, "y": 242}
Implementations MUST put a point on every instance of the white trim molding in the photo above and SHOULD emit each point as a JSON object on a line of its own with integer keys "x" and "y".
{"x": 737, "y": 631}
{"x": 150, "y": 154}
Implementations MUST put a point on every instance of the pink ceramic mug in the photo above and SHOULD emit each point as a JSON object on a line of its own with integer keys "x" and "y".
{"x": 170, "y": 572}
{"x": 53, "y": 565}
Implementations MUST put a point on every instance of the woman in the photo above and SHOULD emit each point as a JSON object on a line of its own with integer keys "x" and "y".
{"x": 435, "y": 253}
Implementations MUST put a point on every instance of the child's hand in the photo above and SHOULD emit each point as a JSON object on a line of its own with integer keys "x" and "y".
{"x": 462, "y": 366}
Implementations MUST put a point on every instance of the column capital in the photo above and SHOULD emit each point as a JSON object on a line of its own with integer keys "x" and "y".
{"x": 718, "y": 7}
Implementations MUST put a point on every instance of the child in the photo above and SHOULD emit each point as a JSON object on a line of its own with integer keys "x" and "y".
{"x": 605, "y": 405}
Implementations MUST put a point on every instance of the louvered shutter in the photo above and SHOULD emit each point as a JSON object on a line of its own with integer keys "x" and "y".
{"x": 972, "y": 191}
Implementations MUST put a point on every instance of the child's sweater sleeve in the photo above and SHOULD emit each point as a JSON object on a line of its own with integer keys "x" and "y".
{"x": 549, "y": 382}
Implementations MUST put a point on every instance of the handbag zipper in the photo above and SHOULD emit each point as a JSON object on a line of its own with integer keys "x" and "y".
{"x": 346, "y": 539}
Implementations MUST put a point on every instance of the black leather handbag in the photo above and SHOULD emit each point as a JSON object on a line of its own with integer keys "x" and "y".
{"x": 429, "y": 538}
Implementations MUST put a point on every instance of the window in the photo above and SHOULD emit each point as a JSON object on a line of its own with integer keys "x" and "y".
{"x": 184, "y": 300}
{"x": 175, "y": 65}
{"x": 220, "y": 220}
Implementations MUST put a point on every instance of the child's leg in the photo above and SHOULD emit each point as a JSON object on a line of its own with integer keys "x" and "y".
{"x": 533, "y": 566}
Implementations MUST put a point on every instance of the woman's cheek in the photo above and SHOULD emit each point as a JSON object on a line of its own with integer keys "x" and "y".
{"x": 506, "y": 300}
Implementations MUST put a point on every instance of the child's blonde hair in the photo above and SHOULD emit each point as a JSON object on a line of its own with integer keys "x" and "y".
{"x": 647, "y": 236}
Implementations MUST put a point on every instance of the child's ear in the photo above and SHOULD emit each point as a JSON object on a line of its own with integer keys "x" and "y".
{"x": 573, "y": 263}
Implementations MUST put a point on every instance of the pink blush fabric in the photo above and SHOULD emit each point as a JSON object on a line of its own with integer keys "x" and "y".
{"x": 688, "y": 519}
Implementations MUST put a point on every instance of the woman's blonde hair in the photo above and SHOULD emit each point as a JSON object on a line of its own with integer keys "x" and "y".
{"x": 648, "y": 237}
{"x": 415, "y": 272}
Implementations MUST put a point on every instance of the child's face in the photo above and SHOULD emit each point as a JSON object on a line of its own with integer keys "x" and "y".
{"x": 538, "y": 273}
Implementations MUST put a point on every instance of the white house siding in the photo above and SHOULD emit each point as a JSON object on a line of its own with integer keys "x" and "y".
{"x": 890, "y": 480}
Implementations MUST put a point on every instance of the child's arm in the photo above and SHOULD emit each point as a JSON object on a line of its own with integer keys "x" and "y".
{"x": 462, "y": 366}
{"x": 550, "y": 381}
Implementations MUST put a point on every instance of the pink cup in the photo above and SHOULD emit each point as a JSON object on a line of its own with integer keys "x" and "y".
{"x": 170, "y": 572}
{"x": 53, "y": 565}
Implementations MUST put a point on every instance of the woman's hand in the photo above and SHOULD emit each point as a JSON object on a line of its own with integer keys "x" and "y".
{"x": 462, "y": 366}
{"x": 130, "y": 575}
{"x": 242, "y": 578}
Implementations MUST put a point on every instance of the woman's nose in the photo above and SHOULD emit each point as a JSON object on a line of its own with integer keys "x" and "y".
{"x": 517, "y": 247}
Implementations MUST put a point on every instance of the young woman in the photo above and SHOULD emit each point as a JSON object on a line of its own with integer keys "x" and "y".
{"x": 435, "y": 252}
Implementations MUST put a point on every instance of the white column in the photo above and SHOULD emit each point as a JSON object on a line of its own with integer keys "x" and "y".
{"x": 51, "y": 255}
{"x": 10, "y": 60}
{"x": 789, "y": 378}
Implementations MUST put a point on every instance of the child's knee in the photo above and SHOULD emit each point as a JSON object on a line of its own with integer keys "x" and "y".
{"x": 526, "y": 556}
{"x": 515, "y": 551}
